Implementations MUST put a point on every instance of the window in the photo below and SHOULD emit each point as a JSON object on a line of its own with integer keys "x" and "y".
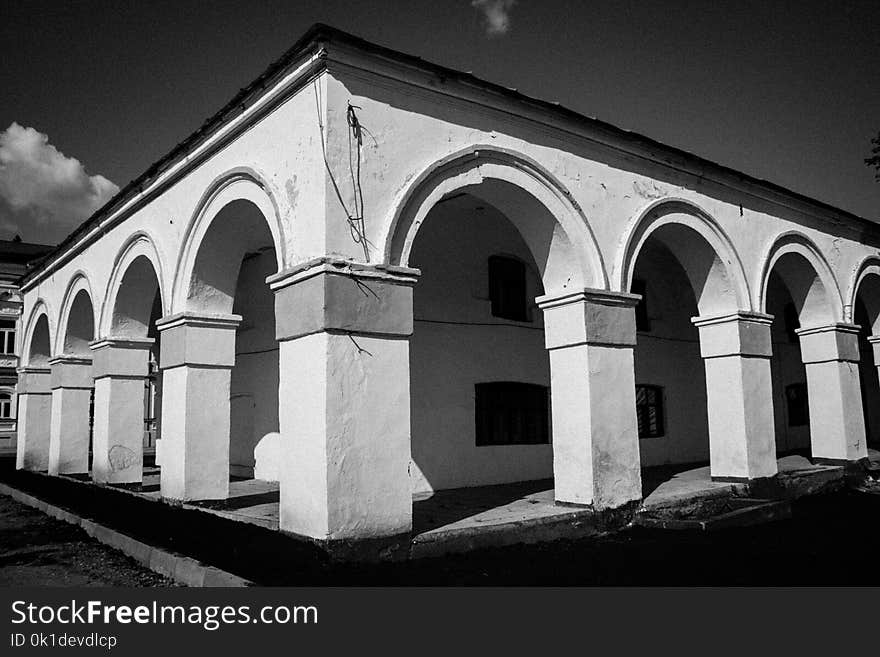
{"x": 798, "y": 405}
{"x": 507, "y": 288}
{"x": 649, "y": 411}
{"x": 643, "y": 322}
{"x": 7, "y": 337}
{"x": 512, "y": 414}
{"x": 792, "y": 321}
{"x": 5, "y": 405}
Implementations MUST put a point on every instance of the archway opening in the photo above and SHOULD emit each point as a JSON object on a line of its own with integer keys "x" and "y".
{"x": 866, "y": 313}
{"x": 234, "y": 258}
{"x": 137, "y": 308}
{"x": 680, "y": 276}
{"x": 79, "y": 333}
{"x": 479, "y": 370}
{"x": 797, "y": 298}
{"x": 40, "y": 349}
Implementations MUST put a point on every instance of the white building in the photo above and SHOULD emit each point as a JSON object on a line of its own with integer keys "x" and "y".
{"x": 365, "y": 273}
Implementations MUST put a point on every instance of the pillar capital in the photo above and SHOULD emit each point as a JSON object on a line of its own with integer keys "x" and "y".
{"x": 68, "y": 371}
{"x": 334, "y": 295}
{"x": 834, "y": 342}
{"x": 120, "y": 356}
{"x": 34, "y": 381}
{"x": 198, "y": 339}
{"x": 741, "y": 333}
{"x": 589, "y": 316}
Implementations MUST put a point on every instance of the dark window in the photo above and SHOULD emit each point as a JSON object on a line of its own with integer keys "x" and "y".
{"x": 643, "y": 322}
{"x": 512, "y": 414}
{"x": 5, "y": 405}
{"x": 649, "y": 411}
{"x": 798, "y": 405}
{"x": 792, "y": 321}
{"x": 507, "y": 288}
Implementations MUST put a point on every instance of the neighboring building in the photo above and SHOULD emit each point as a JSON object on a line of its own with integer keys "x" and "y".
{"x": 15, "y": 257}
{"x": 369, "y": 277}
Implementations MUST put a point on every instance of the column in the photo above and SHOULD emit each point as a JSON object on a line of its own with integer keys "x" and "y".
{"x": 119, "y": 367}
{"x": 837, "y": 424}
{"x": 69, "y": 433}
{"x": 344, "y": 404}
{"x": 34, "y": 411}
{"x": 197, "y": 354}
{"x": 736, "y": 350}
{"x": 590, "y": 335}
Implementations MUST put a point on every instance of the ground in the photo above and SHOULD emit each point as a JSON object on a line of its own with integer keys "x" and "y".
{"x": 36, "y": 550}
{"x": 830, "y": 539}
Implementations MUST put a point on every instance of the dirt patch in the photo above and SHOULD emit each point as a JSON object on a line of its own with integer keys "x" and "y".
{"x": 36, "y": 550}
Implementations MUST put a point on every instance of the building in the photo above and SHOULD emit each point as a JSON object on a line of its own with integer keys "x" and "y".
{"x": 369, "y": 276}
{"x": 15, "y": 257}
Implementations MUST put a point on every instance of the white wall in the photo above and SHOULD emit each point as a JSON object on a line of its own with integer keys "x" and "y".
{"x": 446, "y": 360}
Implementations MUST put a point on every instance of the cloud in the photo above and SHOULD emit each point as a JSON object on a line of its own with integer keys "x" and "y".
{"x": 496, "y": 14}
{"x": 44, "y": 194}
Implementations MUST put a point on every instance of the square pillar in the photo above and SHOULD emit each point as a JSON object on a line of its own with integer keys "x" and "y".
{"x": 837, "y": 423}
{"x": 344, "y": 399}
{"x": 590, "y": 335}
{"x": 69, "y": 431}
{"x": 736, "y": 350}
{"x": 34, "y": 393}
{"x": 119, "y": 368}
{"x": 197, "y": 354}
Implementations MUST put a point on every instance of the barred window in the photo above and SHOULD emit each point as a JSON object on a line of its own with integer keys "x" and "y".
{"x": 509, "y": 413}
{"x": 649, "y": 411}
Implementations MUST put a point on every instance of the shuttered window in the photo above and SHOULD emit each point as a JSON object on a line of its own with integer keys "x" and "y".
{"x": 509, "y": 413}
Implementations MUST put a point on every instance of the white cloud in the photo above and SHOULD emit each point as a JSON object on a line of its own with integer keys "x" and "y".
{"x": 44, "y": 194}
{"x": 496, "y": 14}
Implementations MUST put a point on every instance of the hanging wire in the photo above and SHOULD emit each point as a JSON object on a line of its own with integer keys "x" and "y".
{"x": 355, "y": 219}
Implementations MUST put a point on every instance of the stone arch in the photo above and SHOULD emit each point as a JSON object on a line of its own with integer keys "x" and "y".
{"x": 205, "y": 286}
{"x": 138, "y": 269}
{"x": 807, "y": 276}
{"x": 78, "y": 320}
{"x": 701, "y": 246}
{"x": 37, "y": 342}
{"x": 561, "y": 241}
{"x": 865, "y": 283}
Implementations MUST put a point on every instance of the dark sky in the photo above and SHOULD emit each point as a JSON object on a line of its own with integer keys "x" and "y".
{"x": 786, "y": 91}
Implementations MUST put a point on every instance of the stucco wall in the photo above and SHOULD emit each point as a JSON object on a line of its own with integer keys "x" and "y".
{"x": 450, "y": 351}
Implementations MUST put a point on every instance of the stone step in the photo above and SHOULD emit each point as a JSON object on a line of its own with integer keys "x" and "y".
{"x": 735, "y": 512}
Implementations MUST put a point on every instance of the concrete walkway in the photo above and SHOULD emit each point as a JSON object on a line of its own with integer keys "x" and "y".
{"x": 466, "y": 518}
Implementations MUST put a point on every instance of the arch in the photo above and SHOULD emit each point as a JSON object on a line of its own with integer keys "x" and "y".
{"x": 38, "y": 339}
{"x": 239, "y": 186}
{"x": 72, "y": 337}
{"x": 701, "y": 246}
{"x": 137, "y": 258}
{"x": 865, "y": 280}
{"x": 808, "y": 277}
{"x": 564, "y": 249}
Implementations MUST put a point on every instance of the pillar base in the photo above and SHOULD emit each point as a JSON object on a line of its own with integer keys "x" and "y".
{"x": 34, "y": 415}
{"x": 197, "y": 356}
{"x": 119, "y": 368}
{"x": 69, "y": 432}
